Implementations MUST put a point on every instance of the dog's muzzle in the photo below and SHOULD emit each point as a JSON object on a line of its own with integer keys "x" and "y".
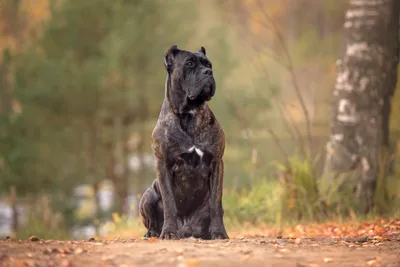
{"x": 203, "y": 94}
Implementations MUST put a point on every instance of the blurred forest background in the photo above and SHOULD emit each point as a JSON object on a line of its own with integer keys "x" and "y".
{"x": 82, "y": 82}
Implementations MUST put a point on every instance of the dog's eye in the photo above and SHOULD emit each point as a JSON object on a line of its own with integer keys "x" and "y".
{"x": 208, "y": 65}
{"x": 190, "y": 64}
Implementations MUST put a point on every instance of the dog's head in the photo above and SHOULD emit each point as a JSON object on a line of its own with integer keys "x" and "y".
{"x": 190, "y": 78}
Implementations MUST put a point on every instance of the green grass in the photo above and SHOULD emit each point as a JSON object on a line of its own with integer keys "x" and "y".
{"x": 43, "y": 222}
{"x": 297, "y": 196}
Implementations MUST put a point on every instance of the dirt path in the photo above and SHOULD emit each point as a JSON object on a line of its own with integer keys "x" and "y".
{"x": 192, "y": 252}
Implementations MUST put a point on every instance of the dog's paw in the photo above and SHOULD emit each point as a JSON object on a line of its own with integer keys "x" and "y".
{"x": 219, "y": 234}
{"x": 151, "y": 233}
{"x": 169, "y": 234}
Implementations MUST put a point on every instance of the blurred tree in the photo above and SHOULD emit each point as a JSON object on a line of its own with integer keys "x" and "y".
{"x": 5, "y": 84}
{"x": 365, "y": 83}
{"x": 15, "y": 146}
{"x": 89, "y": 81}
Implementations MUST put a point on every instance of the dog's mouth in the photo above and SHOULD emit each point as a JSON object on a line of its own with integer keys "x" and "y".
{"x": 205, "y": 94}
{"x": 208, "y": 92}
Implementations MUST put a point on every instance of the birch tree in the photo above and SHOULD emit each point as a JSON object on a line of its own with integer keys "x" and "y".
{"x": 365, "y": 83}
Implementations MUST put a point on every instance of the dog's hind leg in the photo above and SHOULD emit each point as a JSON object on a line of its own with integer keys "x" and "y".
{"x": 151, "y": 212}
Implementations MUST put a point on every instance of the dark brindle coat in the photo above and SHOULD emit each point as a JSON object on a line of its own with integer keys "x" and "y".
{"x": 186, "y": 132}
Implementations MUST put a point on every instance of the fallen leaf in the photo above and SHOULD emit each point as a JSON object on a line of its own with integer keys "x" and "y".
{"x": 78, "y": 251}
{"x": 34, "y": 238}
{"x": 192, "y": 262}
{"x": 58, "y": 250}
{"x": 179, "y": 251}
{"x": 326, "y": 260}
{"x": 152, "y": 240}
{"x": 5, "y": 258}
{"x": 108, "y": 257}
{"x": 302, "y": 264}
{"x": 67, "y": 251}
{"x": 372, "y": 263}
{"x": 30, "y": 263}
{"x": 246, "y": 252}
{"x": 65, "y": 263}
{"x": 245, "y": 257}
{"x": 92, "y": 239}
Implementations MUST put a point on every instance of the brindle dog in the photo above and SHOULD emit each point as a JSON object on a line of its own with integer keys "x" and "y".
{"x": 190, "y": 173}
{"x": 186, "y": 198}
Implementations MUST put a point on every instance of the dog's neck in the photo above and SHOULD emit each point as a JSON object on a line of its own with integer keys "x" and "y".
{"x": 178, "y": 103}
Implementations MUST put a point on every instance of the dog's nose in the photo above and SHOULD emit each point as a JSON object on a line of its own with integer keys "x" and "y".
{"x": 208, "y": 72}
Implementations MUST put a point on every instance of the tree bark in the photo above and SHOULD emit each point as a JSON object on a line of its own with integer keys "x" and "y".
{"x": 14, "y": 209}
{"x": 5, "y": 83}
{"x": 365, "y": 82}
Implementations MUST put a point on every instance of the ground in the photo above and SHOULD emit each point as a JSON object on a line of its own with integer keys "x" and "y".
{"x": 352, "y": 243}
{"x": 238, "y": 251}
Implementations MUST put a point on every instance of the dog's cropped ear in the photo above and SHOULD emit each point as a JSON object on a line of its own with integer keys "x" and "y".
{"x": 168, "y": 57}
{"x": 202, "y": 50}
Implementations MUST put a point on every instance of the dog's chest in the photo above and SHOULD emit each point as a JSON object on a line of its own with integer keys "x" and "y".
{"x": 197, "y": 131}
{"x": 187, "y": 182}
{"x": 188, "y": 124}
{"x": 190, "y": 191}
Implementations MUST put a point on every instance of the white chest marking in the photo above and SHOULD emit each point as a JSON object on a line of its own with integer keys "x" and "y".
{"x": 198, "y": 151}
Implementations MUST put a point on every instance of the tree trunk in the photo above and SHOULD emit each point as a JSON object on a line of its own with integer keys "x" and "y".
{"x": 5, "y": 83}
{"x": 366, "y": 80}
{"x": 116, "y": 157}
{"x": 14, "y": 214}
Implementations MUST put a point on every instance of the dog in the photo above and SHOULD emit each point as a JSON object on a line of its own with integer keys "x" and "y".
{"x": 186, "y": 197}
{"x": 189, "y": 174}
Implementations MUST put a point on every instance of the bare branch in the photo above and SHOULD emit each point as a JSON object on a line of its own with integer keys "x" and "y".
{"x": 297, "y": 90}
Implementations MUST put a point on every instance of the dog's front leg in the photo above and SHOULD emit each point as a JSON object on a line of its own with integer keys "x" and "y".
{"x": 217, "y": 228}
{"x": 169, "y": 229}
